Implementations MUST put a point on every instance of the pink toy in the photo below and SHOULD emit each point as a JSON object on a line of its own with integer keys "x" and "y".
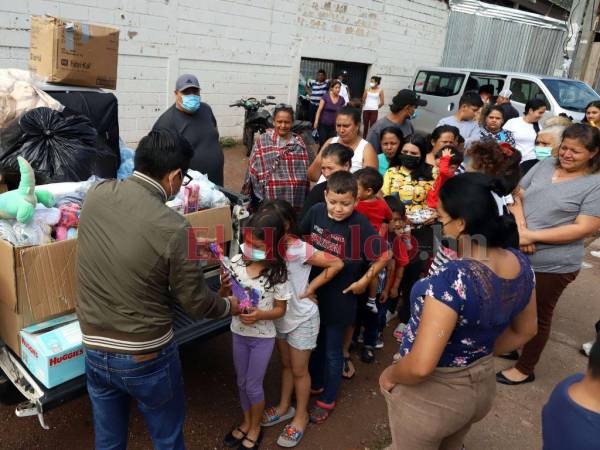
{"x": 69, "y": 218}
{"x": 191, "y": 198}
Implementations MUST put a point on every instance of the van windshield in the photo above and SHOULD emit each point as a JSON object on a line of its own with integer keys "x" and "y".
{"x": 571, "y": 94}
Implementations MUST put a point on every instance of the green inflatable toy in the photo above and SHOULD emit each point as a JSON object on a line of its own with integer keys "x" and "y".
{"x": 20, "y": 203}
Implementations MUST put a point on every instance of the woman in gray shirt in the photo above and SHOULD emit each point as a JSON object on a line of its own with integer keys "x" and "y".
{"x": 560, "y": 207}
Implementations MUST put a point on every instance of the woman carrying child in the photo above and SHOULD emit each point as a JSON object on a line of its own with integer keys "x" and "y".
{"x": 298, "y": 329}
{"x": 261, "y": 269}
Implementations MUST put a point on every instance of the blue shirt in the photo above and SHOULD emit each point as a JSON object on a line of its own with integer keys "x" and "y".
{"x": 384, "y": 164}
{"x": 566, "y": 424}
{"x": 485, "y": 303}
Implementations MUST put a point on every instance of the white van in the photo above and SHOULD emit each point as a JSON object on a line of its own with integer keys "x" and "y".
{"x": 442, "y": 88}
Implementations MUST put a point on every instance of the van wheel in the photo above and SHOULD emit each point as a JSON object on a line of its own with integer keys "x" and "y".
{"x": 9, "y": 394}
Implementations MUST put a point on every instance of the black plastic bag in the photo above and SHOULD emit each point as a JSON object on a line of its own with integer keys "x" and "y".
{"x": 58, "y": 148}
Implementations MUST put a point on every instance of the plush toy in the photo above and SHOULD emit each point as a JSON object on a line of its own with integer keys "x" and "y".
{"x": 20, "y": 203}
{"x": 69, "y": 220}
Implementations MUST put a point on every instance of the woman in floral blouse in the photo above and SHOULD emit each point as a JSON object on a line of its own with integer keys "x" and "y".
{"x": 481, "y": 304}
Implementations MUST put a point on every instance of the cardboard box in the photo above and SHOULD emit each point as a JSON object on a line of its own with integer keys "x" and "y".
{"x": 70, "y": 52}
{"x": 38, "y": 283}
{"x": 53, "y": 351}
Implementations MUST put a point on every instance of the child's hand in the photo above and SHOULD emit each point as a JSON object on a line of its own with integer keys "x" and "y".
{"x": 250, "y": 316}
{"x": 310, "y": 294}
{"x": 383, "y": 297}
{"x": 357, "y": 288}
{"x": 225, "y": 289}
{"x": 447, "y": 152}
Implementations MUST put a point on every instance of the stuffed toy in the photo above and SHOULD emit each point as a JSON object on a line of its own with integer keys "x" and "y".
{"x": 69, "y": 220}
{"x": 20, "y": 203}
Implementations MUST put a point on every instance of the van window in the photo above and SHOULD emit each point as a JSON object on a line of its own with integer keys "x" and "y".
{"x": 440, "y": 84}
{"x": 571, "y": 94}
{"x": 525, "y": 90}
{"x": 477, "y": 81}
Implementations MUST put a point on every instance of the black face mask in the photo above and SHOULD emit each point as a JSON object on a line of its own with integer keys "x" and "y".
{"x": 410, "y": 161}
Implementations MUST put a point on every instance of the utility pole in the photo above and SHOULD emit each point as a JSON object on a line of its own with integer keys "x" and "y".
{"x": 585, "y": 37}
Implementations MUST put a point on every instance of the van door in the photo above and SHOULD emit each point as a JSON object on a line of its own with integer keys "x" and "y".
{"x": 442, "y": 90}
{"x": 524, "y": 90}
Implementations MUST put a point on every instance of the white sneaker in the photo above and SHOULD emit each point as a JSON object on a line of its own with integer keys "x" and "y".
{"x": 587, "y": 348}
{"x": 585, "y": 265}
{"x": 372, "y": 306}
{"x": 389, "y": 316}
{"x": 595, "y": 253}
{"x": 379, "y": 343}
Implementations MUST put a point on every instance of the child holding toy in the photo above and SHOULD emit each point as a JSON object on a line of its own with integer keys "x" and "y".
{"x": 259, "y": 267}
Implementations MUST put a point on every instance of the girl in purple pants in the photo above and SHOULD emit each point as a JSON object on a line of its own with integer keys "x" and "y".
{"x": 260, "y": 267}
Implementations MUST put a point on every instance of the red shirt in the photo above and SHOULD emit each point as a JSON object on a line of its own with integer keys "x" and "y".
{"x": 444, "y": 175}
{"x": 377, "y": 211}
{"x": 400, "y": 252}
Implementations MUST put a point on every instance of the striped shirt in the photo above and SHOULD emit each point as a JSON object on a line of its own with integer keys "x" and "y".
{"x": 317, "y": 90}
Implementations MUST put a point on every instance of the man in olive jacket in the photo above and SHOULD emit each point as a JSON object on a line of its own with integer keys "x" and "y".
{"x": 132, "y": 264}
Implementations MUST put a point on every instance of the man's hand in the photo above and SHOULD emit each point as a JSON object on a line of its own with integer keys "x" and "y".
{"x": 203, "y": 251}
{"x": 525, "y": 237}
{"x": 225, "y": 289}
{"x": 357, "y": 288}
{"x": 528, "y": 249}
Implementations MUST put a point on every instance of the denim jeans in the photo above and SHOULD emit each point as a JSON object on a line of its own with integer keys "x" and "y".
{"x": 327, "y": 361}
{"x": 156, "y": 385}
{"x": 373, "y": 323}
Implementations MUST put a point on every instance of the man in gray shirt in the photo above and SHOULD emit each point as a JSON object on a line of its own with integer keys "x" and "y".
{"x": 403, "y": 106}
{"x": 468, "y": 108}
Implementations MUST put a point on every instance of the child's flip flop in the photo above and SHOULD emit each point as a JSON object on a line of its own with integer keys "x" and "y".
{"x": 271, "y": 416}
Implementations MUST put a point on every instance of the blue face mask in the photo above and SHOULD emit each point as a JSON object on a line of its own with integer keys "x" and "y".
{"x": 415, "y": 115}
{"x": 253, "y": 254}
{"x": 542, "y": 152}
{"x": 191, "y": 103}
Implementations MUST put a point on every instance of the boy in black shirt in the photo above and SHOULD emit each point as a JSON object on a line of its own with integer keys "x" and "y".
{"x": 334, "y": 227}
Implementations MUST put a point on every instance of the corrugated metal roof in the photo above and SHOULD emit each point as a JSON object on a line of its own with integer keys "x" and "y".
{"x": 506, "y": 14}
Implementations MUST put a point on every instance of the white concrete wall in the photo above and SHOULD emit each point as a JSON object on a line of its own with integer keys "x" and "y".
{"x": 238, "y": 47}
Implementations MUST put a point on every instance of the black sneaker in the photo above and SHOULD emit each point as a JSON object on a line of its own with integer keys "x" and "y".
{"x": 367, "y": 355}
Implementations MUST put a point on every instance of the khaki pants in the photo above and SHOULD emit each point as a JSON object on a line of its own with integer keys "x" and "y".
{"x": 438, "y": 413}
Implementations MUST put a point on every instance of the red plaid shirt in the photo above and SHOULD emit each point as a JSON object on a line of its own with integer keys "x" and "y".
{"x": 278, "y": 169}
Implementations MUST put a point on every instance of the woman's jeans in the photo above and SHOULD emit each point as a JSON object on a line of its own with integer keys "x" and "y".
{"x": 153, "y": 381}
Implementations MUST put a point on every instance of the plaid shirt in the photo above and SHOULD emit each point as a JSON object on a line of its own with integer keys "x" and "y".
{"x": 278, "y": 169}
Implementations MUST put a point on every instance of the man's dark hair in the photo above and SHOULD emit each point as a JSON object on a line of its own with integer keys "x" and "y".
{"x": 342, "y": 182}
{"x": 395, "y": 205}
{"x": 534, "y": 104}
{"x": 470, "y": 99}
{"x": 322, "y": 71}
{"x": 162, "y": 151}
{"x": 594, "y": 362}
{"x": 486, "y": 88}
{"x": 369, "y": 178}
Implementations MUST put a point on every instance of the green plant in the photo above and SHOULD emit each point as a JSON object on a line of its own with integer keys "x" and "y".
{"x": 227, "y": 142}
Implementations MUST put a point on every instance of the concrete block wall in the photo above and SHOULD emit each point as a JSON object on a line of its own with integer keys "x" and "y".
{"x": 238, "y": 47}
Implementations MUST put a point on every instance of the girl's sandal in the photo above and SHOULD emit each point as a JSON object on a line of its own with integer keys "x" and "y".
{"x": 231, "y": 441}
{"x": 349, "y": 370}
{"x": 290, "y": 436}
{"x": 271, "y": 416}
{"x": 320, "y": 413}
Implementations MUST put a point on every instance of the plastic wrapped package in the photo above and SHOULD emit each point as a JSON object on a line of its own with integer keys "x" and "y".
{"x": 126, "y": 167}
{"x": 7, "y": 232}
{"x": 32, "y": 233}
{"x": 19, "y": 93}
{"x": 58, "y": 148}
{"x": 210, "y": 195}
{"x": 72, "y": 192}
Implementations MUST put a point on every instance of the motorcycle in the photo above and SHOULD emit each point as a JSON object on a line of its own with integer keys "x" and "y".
{"x": 257, "y": 119}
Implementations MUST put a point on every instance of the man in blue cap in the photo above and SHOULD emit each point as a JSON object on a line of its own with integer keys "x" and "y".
{"x": 194, "y": 120}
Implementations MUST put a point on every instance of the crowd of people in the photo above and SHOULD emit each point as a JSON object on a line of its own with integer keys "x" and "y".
{"x": 464, "y": 239}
